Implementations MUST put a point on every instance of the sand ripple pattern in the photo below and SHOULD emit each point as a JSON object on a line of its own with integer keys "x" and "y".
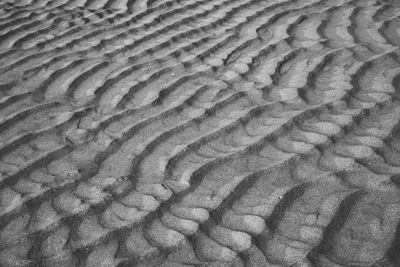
{"x": 200, "y": 133}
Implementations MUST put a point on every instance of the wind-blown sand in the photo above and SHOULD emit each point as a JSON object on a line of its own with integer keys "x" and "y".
{"x": 200, "y": 133}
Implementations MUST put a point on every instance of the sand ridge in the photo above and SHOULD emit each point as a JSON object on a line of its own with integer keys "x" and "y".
{"x": 199, "y": 133}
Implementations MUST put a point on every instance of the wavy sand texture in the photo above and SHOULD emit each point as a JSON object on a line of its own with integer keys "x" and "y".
{"x": 200, "y": 133}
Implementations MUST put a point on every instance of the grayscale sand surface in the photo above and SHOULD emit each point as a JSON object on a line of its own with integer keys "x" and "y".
{"x": 200, "y": 133}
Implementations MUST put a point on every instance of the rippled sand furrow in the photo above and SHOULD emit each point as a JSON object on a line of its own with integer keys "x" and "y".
{"x": 199, "y": 133}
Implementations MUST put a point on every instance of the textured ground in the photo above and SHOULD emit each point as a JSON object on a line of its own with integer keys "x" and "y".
{"x": 200, "y": 133}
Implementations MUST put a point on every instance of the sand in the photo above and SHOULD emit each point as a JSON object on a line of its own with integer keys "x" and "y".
{"x": 200, "y": 133}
